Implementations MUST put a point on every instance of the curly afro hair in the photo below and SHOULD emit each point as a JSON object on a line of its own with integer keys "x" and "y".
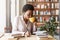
{"x": 27, "y": 7}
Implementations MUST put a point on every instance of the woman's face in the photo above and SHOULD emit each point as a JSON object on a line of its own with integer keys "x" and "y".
{"x": 28, "y": 14}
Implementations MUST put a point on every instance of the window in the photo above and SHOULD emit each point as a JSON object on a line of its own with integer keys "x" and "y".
{"x": 2, "y": 15}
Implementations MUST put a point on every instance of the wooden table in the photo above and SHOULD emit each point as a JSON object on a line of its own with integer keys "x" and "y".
{"x": 8, "y": 36}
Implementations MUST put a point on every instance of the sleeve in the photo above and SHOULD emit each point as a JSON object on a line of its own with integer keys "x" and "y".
{"x": 15, "y": 24}
{"x": 34, "y": 27}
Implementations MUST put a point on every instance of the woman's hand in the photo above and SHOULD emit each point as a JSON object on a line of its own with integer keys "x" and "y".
{"x": 27, "y": 34}
{"x": 35, "y": 23}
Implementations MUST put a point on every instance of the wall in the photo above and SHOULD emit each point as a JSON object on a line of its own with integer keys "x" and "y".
{"x": 2, "y": 15}
{"x": 7, "y": 16}
{"x": 16, "y": 8}
{"x": 13, "y": 10}
{"x": 21, "y": 4}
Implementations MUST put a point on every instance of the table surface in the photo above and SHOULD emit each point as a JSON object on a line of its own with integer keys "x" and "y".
{"x": 7, "y": 36}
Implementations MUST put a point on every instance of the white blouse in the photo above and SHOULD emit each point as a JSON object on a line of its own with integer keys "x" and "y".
{"x": 19, "y": 25}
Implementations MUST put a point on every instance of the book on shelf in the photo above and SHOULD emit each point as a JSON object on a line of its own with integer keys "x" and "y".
{"x": 46, "y": 19}
{"x": 34, "y": 12}
{"x": 49, "y": 13}
{"x": 37, "y": 19}
{"x": 41, "y": 19}
{"x": 34, "y": 0}
{"x": 42, "y": 6}
{"x": 45, "y": 6}
{"x": 43, "y": 0}
{"x": 56, "y": 5}
{"x": 47, "y": 0}
{"x": 57, "y": 12}
{"x": 56, "y": 19}
{"x": 48, "y": 5}
{"x": 40, "y": 0}
{"x": 41, "y": 13}
{"x": 55, "y": 0}
{"x": 53, "y": 12}
{"x": 35, "y": 5}
{"x": 53, "y": 5}
{"x": 38, "y": 6}
{"x": 30, "y": 0}
{"x": 37, "y": 12}
{"x": 46, "y": 12}
{"x": 50, "y": 0}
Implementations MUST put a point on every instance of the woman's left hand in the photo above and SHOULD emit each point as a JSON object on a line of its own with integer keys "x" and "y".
{"x": 35, "y": 23}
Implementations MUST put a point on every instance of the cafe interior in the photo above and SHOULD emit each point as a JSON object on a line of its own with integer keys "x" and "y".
{"x": 29, "y": 19}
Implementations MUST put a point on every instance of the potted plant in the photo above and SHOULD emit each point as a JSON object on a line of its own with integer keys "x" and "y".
{"x": 50, "y": 26}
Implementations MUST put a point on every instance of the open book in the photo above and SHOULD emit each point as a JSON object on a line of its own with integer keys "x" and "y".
{"x": 15, "y": 34}
{"x": 1, "y": 34}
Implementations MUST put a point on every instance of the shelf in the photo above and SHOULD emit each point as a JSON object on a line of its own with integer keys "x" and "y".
{"x": 40, "y": 23}
{"x": 42, "y": 7}
{"x": 46, "y": 9}
{"x": 45, "y": 15}
{"x": 41, "y": 2}
{"x": 57, "y": 22}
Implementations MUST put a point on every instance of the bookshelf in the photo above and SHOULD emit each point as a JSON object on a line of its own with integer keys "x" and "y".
{"x": 44, "y": 9}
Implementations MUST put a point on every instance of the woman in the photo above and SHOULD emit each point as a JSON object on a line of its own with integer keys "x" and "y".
{"x": 22, "y": 23}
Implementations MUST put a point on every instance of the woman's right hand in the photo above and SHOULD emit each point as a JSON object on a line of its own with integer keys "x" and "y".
{"x": 27, "y": 34}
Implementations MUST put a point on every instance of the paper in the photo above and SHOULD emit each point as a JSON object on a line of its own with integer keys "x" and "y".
{"x": 1, "y": 34}
{"x": 18, "y": 33}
